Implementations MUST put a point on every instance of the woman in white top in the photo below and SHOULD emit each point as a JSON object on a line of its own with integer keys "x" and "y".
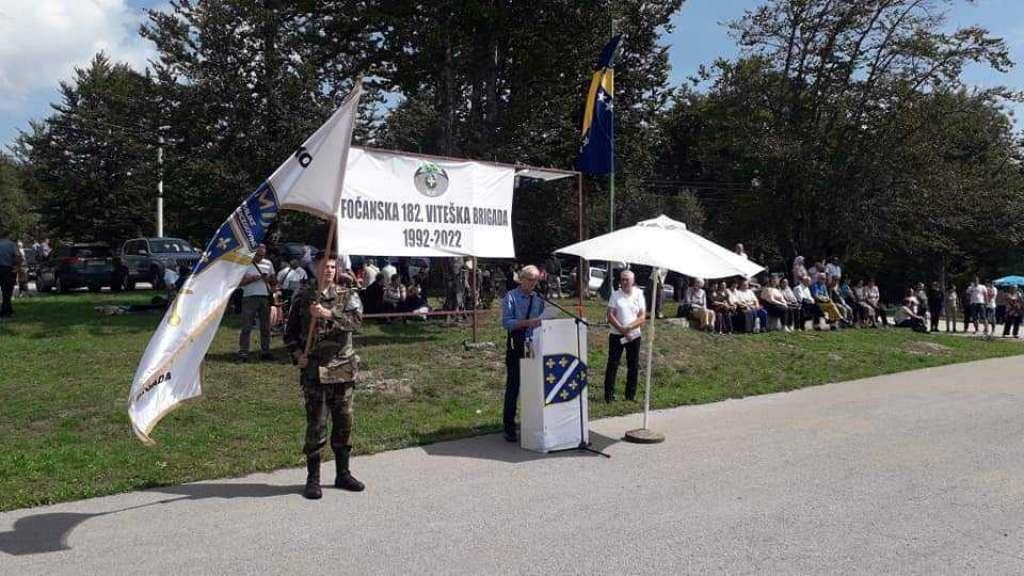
{"x": 775, "y": 303}
{"x": 697, "y": 298}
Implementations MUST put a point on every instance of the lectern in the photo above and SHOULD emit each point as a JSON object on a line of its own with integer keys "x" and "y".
{"x": 553, "y": 388}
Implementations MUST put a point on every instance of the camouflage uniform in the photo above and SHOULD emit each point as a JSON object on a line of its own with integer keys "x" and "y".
{"x": 329, "y": 378}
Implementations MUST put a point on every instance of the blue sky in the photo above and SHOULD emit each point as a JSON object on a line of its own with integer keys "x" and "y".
{"x": 700, "y": 37}
{"x": 41, "y": 40}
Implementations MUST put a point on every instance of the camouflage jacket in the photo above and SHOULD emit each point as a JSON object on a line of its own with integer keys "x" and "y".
{"x": 332, "y": 351}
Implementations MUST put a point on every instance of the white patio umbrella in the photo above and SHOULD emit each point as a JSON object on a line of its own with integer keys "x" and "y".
{"x": 662, "y": 243}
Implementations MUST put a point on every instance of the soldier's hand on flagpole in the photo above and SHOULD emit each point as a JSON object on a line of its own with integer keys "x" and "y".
{"x": 318, "y": 311}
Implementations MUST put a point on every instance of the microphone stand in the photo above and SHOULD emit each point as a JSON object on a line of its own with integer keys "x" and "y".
{"x": 583, "y": 445}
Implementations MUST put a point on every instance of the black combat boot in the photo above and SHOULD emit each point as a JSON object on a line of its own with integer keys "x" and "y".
{"x": 344, "y": 478}
{"x": 312, "y": 490}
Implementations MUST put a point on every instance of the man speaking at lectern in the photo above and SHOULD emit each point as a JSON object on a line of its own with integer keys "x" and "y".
{"x": 520, "y": 314}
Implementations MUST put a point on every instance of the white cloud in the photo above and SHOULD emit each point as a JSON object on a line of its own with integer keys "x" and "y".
{"x": 42, "y": 41}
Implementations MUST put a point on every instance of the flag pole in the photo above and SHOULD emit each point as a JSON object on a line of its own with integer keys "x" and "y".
{"x": 332, "y": 232}
{"x": 611, "y": 174}
{"x": 611, "y": 186}
{"x": 320, "y": 273}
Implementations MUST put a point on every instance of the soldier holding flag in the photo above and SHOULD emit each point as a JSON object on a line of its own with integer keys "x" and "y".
{"x": 328, "y": 373}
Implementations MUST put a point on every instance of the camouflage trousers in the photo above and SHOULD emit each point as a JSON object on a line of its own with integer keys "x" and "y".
{"x": 322, "y": 399}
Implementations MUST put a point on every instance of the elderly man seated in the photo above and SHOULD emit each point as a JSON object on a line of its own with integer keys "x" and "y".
{"x": 809, "y": 309}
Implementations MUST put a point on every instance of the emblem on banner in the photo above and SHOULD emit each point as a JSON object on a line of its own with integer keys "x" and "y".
{"x": 565, "y": 377}
{"x": 431, "y": 180}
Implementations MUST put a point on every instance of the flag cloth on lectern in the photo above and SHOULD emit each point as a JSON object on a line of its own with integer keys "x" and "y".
{"x": 565, "y": 377}
{"x": 597, "y": 154}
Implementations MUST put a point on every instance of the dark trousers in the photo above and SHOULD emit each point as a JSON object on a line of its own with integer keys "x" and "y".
{"x": 809, "y": 311}
{"x": 1011, "y": 320}
{"x": 880, "y": 311}
{"x": 777, "y": 311}
{"x": 7, "y": 280}
{"x": 323, "y": 399}
{"x": 743, "y": 321}
{"x": 508, "y": 418}
{"x": 916, "y": 324}
{"x": 934, "y": 318}
{"x": 615, "y": 348}
{"x": 254, "y": 307}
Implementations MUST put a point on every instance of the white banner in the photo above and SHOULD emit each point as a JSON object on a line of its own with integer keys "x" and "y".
{"x": 170, "y": 369}
{"x": 402, "y": 205}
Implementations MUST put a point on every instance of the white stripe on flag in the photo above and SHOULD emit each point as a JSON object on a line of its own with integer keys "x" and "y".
{"x": 562, "y": 381}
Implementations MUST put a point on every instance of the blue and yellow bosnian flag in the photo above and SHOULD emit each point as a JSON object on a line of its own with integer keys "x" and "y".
{"x": 597, "y": 155}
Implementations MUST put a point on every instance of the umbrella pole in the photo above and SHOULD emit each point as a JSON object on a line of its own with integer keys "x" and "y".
{"x": 647, "y": 378}
{"x": 645, "y": 435}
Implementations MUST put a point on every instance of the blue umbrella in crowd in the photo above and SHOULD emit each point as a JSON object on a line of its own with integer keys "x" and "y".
{"x": 1009, "y": 281}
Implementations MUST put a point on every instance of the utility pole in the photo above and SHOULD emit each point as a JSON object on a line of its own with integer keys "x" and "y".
{"x": 160, "y": 181}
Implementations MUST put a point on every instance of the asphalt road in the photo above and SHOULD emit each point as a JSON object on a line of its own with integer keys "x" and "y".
{"x": 916, "y": 473}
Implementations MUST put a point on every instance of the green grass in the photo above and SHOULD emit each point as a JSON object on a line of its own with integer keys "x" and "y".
{"x": 65, "y": 373}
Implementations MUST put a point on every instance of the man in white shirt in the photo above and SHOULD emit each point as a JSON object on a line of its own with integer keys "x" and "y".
{"x": 976, "y": 295}
{"x": 626, "y": 314}
{"x": 370, "y": 273}
{"x": 387, "y": 272}
{"x": 809, "y": 309}
{"x": 291, "y": 282}
{"x": 256, "y": 304}
{"x": 286, "y": 267}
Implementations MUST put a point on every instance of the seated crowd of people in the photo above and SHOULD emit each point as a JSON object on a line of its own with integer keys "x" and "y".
{"x": 820, "y": 295}
{"x": 381, "y": 290}
{"x": 737, "y": 305}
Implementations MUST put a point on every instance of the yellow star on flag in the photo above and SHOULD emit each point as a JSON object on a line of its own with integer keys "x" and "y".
{"x": 564, "y": 362}
{"x": 550, "y": 378}
{"x": 550, "y": 363}
{"x": 573, "y": 385}
{"x": 223, "y": 243}
{"x": 564, "y": 394}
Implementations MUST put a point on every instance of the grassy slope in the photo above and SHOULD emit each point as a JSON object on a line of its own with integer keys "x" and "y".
{"x": 65, "y": 373}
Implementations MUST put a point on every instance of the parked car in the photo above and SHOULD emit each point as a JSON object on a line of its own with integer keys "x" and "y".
{"x": 147, "y": 258}
{"x": 289, "y": 251}
{"x": 596, "y": 278}
{"x": 74, "y": 266}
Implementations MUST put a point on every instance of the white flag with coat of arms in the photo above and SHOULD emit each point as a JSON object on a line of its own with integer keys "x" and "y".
{"x": 311, "y": 181}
